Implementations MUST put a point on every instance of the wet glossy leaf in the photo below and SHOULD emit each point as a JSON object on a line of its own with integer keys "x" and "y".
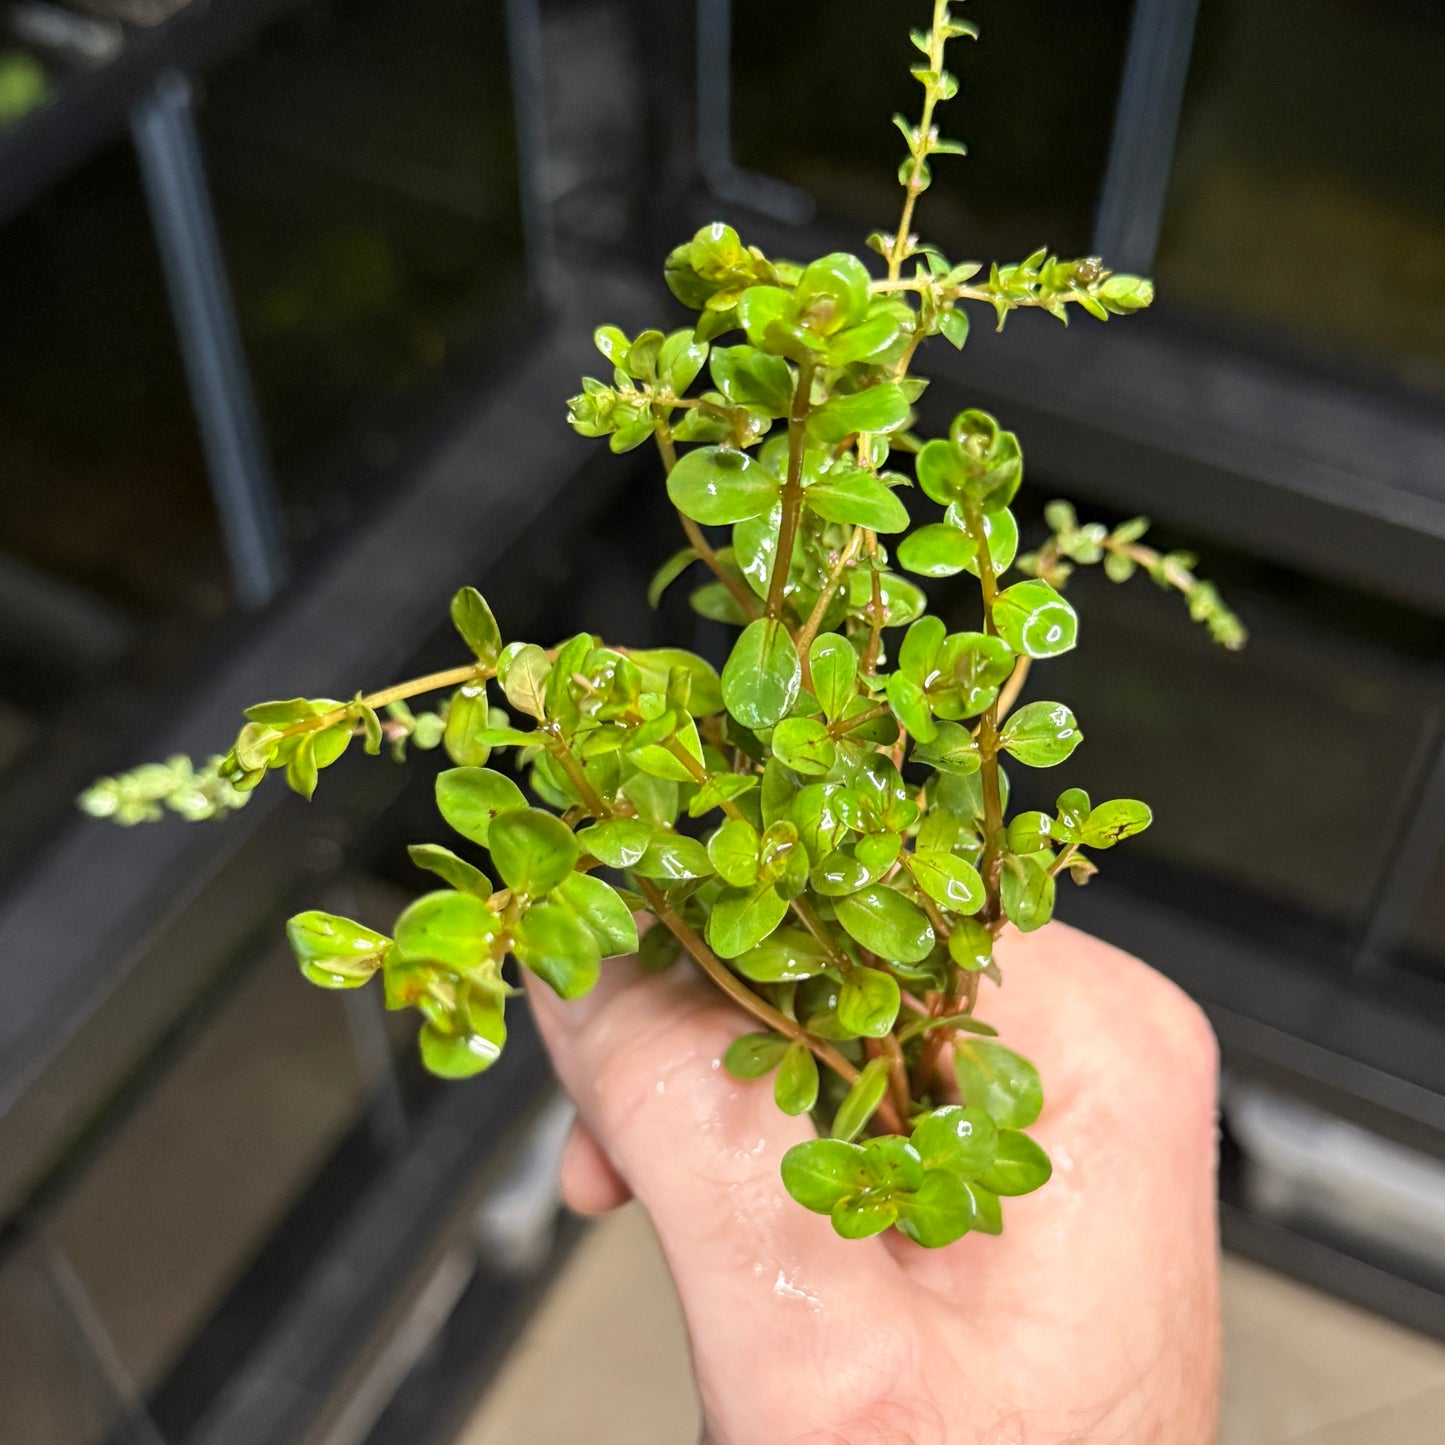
{"x": 886, "y": 924}
{"x": 862, "y": 1100}
{"x": 673, "y": 858}
{"x": 1000, "y": 1082}
{"x": 761, "y": 680}
{"x": 468, "y": 726}
{"x": 821, "y": 1173}
{"x": 1041, "y": 734}
{"x": 910, "y": 706}
{"x": 868, "y": 1002}
{"x": 655, "y": 666}
{"x": 333, "y": 951}
{"x": 788, "y": 955}
{"x": 970, "y": 945}
{"x": 533, "y": 850}
{"x": 796, "y": 1087}
{"x": 559, "y": 948}
{"x": 750, "y": 377}
{"x": 1020, "y": 1166}
{"x": 718, "y": 485}
{"x": 1034, "y": 620}
{"x": 804, "y": 745}
{"x": 1001, "y": 532}
{"x": 865, "y": 1216}
{"x": 936, "y": 551}
{"x": 892, "y": 1164}
{"x": 1114, "y": 821}
{"x": 600, "y": 907}
{"x": 939, "y": 1212}
{"x": 1027, "y": 889}
{"x": 522, "y": 672}
{"x": 961, "y": 1140}
{"x": 951, "y": 750}
{"x": 948, "y": 880}
{"x": 753, "y": 1055}
{"x": 877, "y": 410}
{"x": 840, "y": 873}
{"x": 473, "y": 1049}
{"x": 987, "y": 1212}
{"x": 450, "y": 869}
{"x": 455, "y": 929}
{"x": 742, "y": 917}
{"x": 832, "y": 293}
{"x": 473, "y": 619}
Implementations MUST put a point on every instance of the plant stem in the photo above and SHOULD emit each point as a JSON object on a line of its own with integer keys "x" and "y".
{"x": 915, "y": 186}
{"x": 898, "y": 1090}
{"x": 792, "y": 489}
{"x": 876, "y": 612}
{"x": 1011, "y": 689}
{"x": 991, "y": 861}
{"x": 830, "y": 590}
{"x": 740, "y": 593}
{"x": 432, "y": 682}
{"x": 847, "y": 725}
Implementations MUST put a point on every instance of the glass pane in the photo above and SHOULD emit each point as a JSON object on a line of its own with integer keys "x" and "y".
{"x": 813, "y": 99}
{"x": 364, "y": 177}
{"x": 1308, "y": 197}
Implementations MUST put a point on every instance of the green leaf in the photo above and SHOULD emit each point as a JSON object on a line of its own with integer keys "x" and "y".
{"x": 987, "y": 1212}
{"x": 854, "y": 498}
{"x": 948, "y": 880}
{"x": 787, "y": 956}
{"x": 886, "y": 924}
{"x": 761, "y": 679}
{"x": 1020, "y": 1167}
{"x": 833, "y": 662}
{"x": 1027, "y": 889}
{"x": 893, "y": 1164}
{"x": 805, "y": 745}
{"x": 910, "y": 705}
{"x": 959, "y": 1140}
{"x": 1034, "y": 620}
{"x": 868, "y": 1002}
{"x": 821, "y": 1173}
{"x": 753, "y": 1055}
{"x": 473, "y": 619}
{"x": 1041, "y": 735}
{"x": 474, "y": 1048}
{"x": 865, "y": 1216}
{"x": 937, "y": 551}
{"x": 674, "y": 858}
{"x": 559, "y": 948}
{"x": 719, "y": 485}
{"x": 953, "y": 324}
{"x": 655, "y": 666}
{"x": 742, "y": 917}
{"x": 668, "y": 573}
{"x": 333, "y": 951}
{"x": 796, "y": 1087}
{"x": 832, "y": 293}
{"x": 470, "y": 798}
{"x": 733, "y": 851}
{"x": 970, "y": 945}
{"x": 840, "y": 873}
{"x": 862, "y": 1100}
{"x": 450, "y": 869}
{"x": 301, "y": 768}
{"x": 522, "y": 671}
{"x": 938, "y": 1212}
{"x": 533, "y": 850}
{"x": 467, "y": 726}
{"x": 1000, "y": 1082}
{"x": 878, "y": 410}
{"x": 1001, "y": 532}
{"x": 679, "y": 360}
{"x": 952, "y": 750}
{"x": 454, "y": 929}
{"x": 1114, "y": 821}
{"x": 619, "y": 842}
{"x": 600, "y": 907}
{"x": 749, "y": 377}
{"x": 274, "y": 715}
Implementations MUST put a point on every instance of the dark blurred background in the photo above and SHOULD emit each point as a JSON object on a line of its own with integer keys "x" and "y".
{"x": 291, "y": 295}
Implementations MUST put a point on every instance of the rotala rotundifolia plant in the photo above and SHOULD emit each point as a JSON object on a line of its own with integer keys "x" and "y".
{"x": 822, "y": 829}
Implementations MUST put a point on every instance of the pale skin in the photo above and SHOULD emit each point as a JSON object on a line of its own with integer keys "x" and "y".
{"x": 1095, "y": 1318}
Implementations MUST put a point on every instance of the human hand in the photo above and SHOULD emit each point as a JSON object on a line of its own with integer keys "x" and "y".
{"x": 1093, "y": 1318}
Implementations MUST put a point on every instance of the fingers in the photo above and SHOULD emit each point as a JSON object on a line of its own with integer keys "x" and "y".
{"x": 590, "y": 1184}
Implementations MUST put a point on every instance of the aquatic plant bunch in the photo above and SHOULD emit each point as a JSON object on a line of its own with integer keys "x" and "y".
{"x": 822, "y": 828}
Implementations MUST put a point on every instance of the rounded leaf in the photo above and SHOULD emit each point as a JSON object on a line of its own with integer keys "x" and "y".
{"x": 886, "y": 924}
{"x": 804, "y": 745}
{"x": 761, "y": 679}
{"x": 938, "y": 1212}
{"x": 719, "y": 485}
{"x": 936, "y": 551}
{"x": 601, "y": 908}
{"x": 1114, "y": 821}
{"x": 786, "y": 956}
{"x": 868, "y": 1002}
{"x": 1034, "y": 620}
{"x": 1000, "y": 1082}
{"x": 753, "y": 1055}
{"x": 533, "y": 850}
{"x": 619, "y": 842}
{"x": 1019, "y": 1167}
{"x": 733, "y": 851}
{"x": 962, "y": 1141}
{"x": 862, "y": 1100}
{"x": 821, "y": 1173}
{"x": 948, "y": 880}
{"x": 473, "y": 619}
{"x": 559, "y": 948}
{"x": 470, "y": 798}
{"x": 465, "y": 1054}
{"x": 1041, "y": 735}
{"x": 742, "y": 918}
{"x": 796, "y": 1088}
{"x": 334, "y": 952}
{"x": 853, "y": 498}
{"x": 865, "y": 1216}
{"x": 833, "y": 662}
{"x": 455, "y": 929}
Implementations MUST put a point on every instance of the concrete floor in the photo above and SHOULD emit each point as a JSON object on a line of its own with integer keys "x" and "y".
{"x": 1301, "y": 1368}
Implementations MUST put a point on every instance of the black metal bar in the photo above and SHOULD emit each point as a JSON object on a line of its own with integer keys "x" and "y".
{"x": 174, "y": 178}
{"x": 1141, "y": 154}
